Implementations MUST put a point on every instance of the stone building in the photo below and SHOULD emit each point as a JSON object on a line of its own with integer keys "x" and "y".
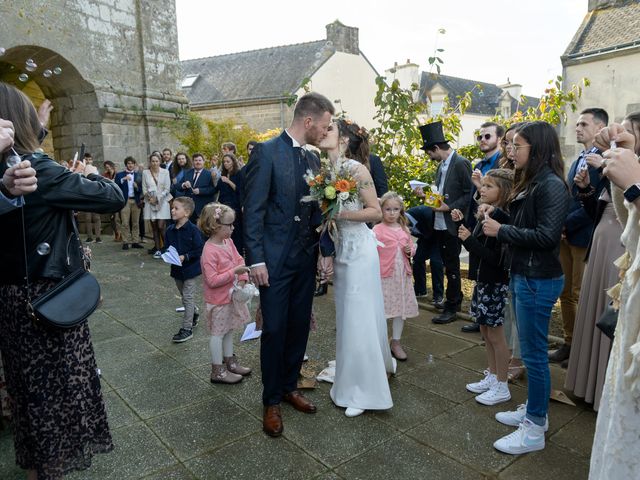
{"x": 487, "y": 99}
{"x": 253, "y": 87}
{"x": 606, "y": 50}
{"x": 118, "y": 71}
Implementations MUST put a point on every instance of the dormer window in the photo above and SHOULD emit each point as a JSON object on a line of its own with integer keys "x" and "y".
{"x": 188, "y": 81}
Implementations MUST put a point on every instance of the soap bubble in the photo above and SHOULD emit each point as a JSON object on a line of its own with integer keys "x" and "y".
{"x": 318, "y": 54}
{"x": 47, "y": 73}
{"x": 2, "y": 51}
{"x": 30, "y": 65}
{"x": 44, "y": 249}
{"x": 57, "y": 71}
{"x": 23, "y": 77}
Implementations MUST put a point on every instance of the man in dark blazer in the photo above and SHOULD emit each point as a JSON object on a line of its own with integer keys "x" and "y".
{"x": 198, "y": 185}
{"x": 378, "y": 175}
{"x": 130, "y": 182}
{"x": 453, "y": 180}
{"x": 281, "y": 245}
{"x": 421, "y": 226}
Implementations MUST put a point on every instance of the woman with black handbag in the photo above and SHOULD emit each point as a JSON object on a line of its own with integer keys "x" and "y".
{"x": 59, "y": 418}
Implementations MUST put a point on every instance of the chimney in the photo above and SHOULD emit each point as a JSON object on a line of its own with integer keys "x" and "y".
{"x": 344, "y": 39}
{"x": 514, "y": 89}
{"x": 600, "y": 4}
{"x": 406, "y": 74}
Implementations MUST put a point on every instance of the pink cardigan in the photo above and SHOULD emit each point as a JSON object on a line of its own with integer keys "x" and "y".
{"x": 393, "y": 239}
{"x": 218, "y": 263}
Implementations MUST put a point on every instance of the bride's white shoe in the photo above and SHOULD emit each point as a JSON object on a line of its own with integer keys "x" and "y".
{"x": 353, "y": 412}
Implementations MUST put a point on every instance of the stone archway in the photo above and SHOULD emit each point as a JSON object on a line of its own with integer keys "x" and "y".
{"x": 76, "y": 117}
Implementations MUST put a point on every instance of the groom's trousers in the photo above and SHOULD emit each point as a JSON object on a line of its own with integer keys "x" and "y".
{"x": 286, "y": 313}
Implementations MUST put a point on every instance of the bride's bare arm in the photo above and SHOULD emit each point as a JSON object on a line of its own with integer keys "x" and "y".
{"x": 371, "y": 212}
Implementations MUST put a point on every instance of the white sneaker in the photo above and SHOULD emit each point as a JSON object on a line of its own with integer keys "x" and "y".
{"x": 179, "y": 309}
{"x": 353, "y": 412}
{"x": 498, "y": 393}
{"x": 484, "y": 384}
{"x": 515, "y": 418}
{"x": 529, "y": 437}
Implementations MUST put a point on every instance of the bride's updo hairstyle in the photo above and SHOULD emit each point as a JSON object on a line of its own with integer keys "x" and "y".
{"x": 358, "y": 147}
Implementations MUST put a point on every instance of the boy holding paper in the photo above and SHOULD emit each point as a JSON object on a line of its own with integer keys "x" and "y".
{"x": 188, "y": 241}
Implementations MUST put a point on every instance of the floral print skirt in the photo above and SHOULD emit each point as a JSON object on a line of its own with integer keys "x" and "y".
{"x": 488, "y": 303}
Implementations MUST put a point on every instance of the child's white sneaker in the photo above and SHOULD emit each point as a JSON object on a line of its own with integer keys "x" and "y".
{"x": 484, "y": 384}
{"x": 529, "y": 437}
{"x": 498, "y": 393}
{"x": 515, "y": 418}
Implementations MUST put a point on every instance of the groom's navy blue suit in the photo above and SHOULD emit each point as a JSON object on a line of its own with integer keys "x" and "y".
{"x": 279, "y": 231}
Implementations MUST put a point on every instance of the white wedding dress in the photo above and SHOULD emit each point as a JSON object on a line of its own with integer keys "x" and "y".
{"x": 363, "y": 357}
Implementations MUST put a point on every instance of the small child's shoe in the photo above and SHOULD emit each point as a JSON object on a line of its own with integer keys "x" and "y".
{"x": 233, "y": 366}
{"x": 182, "y": 336}
{"x": 397, "y": 351}
{"x": 220, "y": 374}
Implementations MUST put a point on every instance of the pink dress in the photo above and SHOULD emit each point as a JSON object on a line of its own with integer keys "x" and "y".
{"x": 397, "y": 279}
{"x": 218, "y": 263}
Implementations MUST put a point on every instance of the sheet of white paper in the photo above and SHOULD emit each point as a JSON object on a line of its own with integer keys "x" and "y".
{"x": 416, "y": 183}
{"x": 250, "y": 332}
{"x": 171, "y": 256}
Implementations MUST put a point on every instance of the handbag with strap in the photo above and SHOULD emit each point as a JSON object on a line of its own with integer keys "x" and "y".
{"x": 70, "y": 302}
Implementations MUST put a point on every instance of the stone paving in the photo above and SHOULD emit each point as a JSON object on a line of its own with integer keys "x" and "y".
{"x": 169, "y": 422}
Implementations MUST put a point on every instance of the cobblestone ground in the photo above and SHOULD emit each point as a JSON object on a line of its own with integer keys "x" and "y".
{"x": 169, "y": 422}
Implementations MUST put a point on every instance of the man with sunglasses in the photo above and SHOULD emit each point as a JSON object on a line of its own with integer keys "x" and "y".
{"x": 489, "y": 139}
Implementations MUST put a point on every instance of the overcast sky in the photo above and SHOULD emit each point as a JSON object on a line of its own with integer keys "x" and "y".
{"x": 486, "y": 41}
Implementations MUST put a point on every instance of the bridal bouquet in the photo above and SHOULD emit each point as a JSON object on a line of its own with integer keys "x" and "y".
{"x": 332, "y": 187}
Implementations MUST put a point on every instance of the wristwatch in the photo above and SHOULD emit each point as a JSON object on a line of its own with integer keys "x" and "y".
{"x": 632, "y": 193}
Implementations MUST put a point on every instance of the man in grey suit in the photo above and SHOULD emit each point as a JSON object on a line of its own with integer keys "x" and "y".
{"x": 453, "y": 179}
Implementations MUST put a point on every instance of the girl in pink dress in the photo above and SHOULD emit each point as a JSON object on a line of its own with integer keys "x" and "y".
{"x": 395, "y": 248}
{"x": 222, "y": 265}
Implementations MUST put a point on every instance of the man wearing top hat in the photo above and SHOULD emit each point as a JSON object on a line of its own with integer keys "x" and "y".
{"x": 453, "y": 180}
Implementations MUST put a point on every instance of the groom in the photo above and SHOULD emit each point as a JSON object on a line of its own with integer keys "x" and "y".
{"x": 281, "y": 245}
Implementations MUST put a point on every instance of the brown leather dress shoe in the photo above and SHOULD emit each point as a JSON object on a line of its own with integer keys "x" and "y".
{"x": 299, "y": 402}
{"x": 272, "y": 421}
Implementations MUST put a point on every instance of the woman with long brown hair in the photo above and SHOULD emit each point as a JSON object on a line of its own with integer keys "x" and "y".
{"x": 230, "y": 188}
{"x": 532, "y": 230}
{"x": 59, "y": 417}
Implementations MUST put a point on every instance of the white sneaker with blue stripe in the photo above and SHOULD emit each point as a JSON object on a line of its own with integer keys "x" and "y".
{"x": 515, "y": 418}
{"x": 529, "y": 437}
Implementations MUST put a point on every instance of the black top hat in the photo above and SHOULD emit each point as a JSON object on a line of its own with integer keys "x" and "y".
{"x": 432, "y": 133}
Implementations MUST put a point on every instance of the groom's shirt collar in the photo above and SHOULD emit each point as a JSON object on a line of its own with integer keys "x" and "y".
{"x": 294, "y": 142}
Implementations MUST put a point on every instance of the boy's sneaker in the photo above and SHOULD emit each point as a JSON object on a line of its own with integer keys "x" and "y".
{"x": 98, "y": 240}
{"x": 483, "y": 385}
{"x": 89, "y": 240}
{"x": 529, "y": 437}
{"x": 196, "y": 316}
{"x": 515, "y": 418}
{"x": 179, "y": 309}
{"x": 182, "y": 336}
{"x": 498, "y": 393}
{"x": 157, "y": 254}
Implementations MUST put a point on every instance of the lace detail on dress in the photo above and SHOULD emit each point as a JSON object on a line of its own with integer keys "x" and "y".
{"x": 618, "y": 423}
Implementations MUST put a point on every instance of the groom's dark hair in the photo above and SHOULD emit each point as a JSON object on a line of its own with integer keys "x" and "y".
{"x": 313, "y": 105}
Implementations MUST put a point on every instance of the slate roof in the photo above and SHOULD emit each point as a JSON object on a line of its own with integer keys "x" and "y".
{"x": 268, "y": 73}
{"x": 485, "y": 96}
{"x": 606, "y": 29}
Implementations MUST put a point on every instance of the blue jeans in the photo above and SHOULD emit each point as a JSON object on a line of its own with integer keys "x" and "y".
{"x": 533, "y": 299}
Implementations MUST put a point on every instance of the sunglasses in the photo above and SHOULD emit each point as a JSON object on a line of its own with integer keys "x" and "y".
{"x": 486, "y": 136}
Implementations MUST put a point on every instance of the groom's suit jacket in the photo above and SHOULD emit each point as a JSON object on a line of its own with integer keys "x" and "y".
{"x": 276, "y": 223}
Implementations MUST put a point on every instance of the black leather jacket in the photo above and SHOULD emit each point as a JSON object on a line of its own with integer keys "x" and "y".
{"x": 47, "y": 219}
{"x": 534, "y": 227}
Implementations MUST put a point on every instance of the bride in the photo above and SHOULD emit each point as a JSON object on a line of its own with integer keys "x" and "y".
{"x": 363, "y": 357}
